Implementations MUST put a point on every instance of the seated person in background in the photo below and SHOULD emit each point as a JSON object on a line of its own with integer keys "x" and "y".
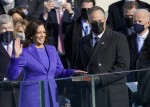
{"x": 41, "y": 63}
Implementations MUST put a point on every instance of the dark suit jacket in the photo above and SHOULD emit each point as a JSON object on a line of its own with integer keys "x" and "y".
{"x": 115, "y": 13}
{"x": 53, "y": 27}
{"x": 134, "y": 56}
{"x": 4, "y": 61}
{"x": 143, "y": 78}
{"x": 9, "y": 92}
{"x": 110, "y": 55}
{"x": 144, "y": 83}
{"x": 72, "y": 39}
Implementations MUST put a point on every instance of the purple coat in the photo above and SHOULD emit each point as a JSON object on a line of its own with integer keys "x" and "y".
{"x": 34, "y": 70}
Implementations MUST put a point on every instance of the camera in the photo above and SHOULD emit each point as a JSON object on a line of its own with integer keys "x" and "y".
{"x": 58, "y": 4}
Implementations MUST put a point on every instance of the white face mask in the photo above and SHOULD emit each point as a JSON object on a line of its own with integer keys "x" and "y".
{"x": 7, "y": 1}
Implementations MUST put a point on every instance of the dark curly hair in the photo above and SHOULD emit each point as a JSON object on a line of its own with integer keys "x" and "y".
{"x": 31, "y": 30}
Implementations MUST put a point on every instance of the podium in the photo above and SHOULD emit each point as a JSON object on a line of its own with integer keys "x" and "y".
{"x": 87, "y": 78}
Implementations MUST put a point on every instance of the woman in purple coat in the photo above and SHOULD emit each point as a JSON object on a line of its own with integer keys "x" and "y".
{"x": 40, "y": 62}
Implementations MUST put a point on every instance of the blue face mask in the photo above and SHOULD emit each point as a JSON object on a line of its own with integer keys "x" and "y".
{"x": 138, "y": 28}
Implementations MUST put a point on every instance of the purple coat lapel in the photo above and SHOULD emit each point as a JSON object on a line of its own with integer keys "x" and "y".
{"x": 50, "y": 54}
{"x": 33, "y": 51}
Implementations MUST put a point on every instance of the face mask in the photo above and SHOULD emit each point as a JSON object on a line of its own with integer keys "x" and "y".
{"x": 84, "y": 13}
{"x": 6, "y": 37}
{"x": 129, "y": 22}
{"x": 7, "y": 1}
{"x": 25, "y": 11}
{"x": 97, "y": 27}
{"x": 138, "y": 28}
{"x": 21, "y": 36}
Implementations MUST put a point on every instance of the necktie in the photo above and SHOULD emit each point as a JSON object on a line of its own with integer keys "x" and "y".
{"x": 86, "y": 30}
{"x": 96, "y": 39}
{"x": 140, "y": 42}
{"x": 60, "y": 38}
{"x": 9, "y": 49}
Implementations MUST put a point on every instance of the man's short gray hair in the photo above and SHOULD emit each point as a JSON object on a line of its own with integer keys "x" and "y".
{"x": 5, "y": 18}
{"x": 144, "y": 11}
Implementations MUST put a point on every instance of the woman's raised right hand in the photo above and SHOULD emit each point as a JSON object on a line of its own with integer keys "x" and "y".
{"x": 17, "y": 47}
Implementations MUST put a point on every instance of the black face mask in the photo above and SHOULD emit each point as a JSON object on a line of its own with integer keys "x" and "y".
{"x": 129, "y": 22}
{"x": 97, "y": 27}
{"x": 84, "y": 13}
{"x": 6, "y": 37}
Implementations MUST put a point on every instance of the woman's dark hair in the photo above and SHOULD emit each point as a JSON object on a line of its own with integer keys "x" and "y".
{"x": 16, "y": 10}
{"x": 31, "y": 30}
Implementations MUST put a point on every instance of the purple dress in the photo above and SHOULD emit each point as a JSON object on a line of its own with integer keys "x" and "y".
{"x": 35, "y": 71}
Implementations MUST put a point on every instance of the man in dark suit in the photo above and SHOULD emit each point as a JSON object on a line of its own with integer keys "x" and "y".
{"x": 144, "y": 75}
{"x": 136, "y": 41}
{"x": 128, "y": 11}
{"x": 115, "y": 12}
{"x": 9, "y": 91}
{"x": 79, "y": 29}
{"x": 105, "y": 51}
{"x": 140, "y": 18}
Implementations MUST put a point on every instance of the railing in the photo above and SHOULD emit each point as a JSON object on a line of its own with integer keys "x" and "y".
{"x": 72, "y": 91}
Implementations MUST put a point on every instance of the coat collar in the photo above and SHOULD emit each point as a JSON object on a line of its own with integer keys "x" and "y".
{"x": 33, "y": 51}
